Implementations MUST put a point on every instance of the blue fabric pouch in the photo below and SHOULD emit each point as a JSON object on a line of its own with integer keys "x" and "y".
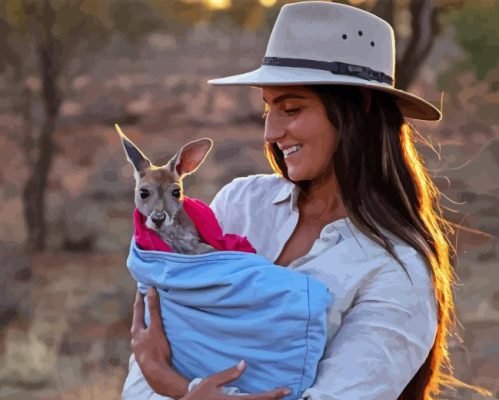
{"x": 224, "y": 306}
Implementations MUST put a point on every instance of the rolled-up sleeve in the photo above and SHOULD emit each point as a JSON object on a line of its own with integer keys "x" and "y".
{"x": 383, "y": 340}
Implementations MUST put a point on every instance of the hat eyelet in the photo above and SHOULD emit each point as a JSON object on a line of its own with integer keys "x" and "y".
{"x": 372, "y": 44}
{"x": 344, "y": 36}
{"x": 360, "y": 33}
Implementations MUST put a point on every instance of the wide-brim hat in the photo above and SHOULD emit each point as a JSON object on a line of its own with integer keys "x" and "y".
{"x": 318, "y": 42}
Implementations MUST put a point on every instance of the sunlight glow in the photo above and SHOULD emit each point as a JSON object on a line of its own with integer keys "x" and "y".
{"x": 268, "y": 3}
{"x": 442, "y": 271}
{"x": 218, "y": 4}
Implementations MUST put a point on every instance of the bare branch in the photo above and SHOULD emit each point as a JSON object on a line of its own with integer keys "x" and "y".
{"x": 425, "y": 27}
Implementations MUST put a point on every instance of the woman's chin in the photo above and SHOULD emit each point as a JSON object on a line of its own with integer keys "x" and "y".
{"x": 295, "y": 176}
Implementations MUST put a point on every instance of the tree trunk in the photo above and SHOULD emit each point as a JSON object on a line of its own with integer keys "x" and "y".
{"x": 35, "y": 188}
{"x": 424, "y": 29}
{"x": 385, "y": 9}
{"x": 36, "y": 185}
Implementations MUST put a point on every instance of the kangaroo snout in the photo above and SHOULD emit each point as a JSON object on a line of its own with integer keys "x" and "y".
{"x": 158, "y": 218}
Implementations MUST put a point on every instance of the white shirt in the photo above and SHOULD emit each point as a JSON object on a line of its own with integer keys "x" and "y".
{"x": 381, "y": 326}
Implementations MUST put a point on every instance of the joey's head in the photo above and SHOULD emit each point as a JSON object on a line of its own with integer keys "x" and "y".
{"x": 159, "y": 190}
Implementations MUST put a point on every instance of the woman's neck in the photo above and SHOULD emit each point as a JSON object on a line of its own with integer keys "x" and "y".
{"x": 321, "y": 200}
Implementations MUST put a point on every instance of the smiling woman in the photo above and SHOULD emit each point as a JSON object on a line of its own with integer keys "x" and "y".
{"x": 350, "y": 204}
{"x": 297, "y": 124}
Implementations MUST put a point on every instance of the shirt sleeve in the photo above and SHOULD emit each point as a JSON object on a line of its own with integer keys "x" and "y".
{"x": 382, "y": 342}
{"x": 219, "y": 204}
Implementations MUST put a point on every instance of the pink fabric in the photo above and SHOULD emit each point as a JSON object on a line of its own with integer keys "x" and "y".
{"x": 206, "y": 224}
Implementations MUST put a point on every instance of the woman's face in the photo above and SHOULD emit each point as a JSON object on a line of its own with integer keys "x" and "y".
{"x": 296, "y": 120}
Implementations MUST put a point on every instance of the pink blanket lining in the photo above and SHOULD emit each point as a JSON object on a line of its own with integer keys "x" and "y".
{"x": 206, "y": 224}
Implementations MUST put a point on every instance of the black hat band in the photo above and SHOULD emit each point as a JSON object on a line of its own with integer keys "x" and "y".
{"x": 334, "y": 67}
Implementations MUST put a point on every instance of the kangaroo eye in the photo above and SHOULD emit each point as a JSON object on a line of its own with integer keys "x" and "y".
{"x": 176, "y": 193}
{"x": 144, "y": 193}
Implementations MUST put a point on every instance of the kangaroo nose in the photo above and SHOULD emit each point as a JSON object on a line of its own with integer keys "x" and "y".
{"x": 158, "y": 218}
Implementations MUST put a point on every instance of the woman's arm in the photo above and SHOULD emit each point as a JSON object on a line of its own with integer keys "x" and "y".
{"x": 382, "y": 342}
{"x": 153, "y": 355}
{"x": 152, "y": 350}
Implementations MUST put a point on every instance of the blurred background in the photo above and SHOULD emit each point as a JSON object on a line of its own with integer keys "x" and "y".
{"x": 71, "y": 69}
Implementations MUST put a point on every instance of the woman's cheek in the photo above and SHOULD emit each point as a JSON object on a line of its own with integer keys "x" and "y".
{"x": 299, "y": 124}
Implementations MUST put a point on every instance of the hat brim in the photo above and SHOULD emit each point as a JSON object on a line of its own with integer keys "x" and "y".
{"x": 410, "y": 105}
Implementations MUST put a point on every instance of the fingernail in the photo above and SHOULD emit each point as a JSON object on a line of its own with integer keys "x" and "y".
{"x": 287, "y": 391}
{"x": 240, "y": 366}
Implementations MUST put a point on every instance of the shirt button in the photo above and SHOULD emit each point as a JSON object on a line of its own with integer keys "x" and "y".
{"x": 325, "y": 239}
{"x": 329, "y": 229}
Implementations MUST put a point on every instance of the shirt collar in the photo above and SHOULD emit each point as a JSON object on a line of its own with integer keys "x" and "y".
{"x": 288, "y": 190}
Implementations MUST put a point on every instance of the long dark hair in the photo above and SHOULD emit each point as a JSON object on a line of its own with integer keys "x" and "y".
{"x": 385, "y": 186}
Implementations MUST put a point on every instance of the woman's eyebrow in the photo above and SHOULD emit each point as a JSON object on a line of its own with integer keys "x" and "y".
{"x": 284, "y": 97}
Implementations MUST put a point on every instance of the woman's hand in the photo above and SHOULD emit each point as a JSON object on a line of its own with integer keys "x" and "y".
{"x": 152, "y": 349}
{"x": 210, "y": 388}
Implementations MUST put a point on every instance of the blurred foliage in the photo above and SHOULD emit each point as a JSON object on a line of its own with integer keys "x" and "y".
{"x": 248, "y": 15}
{"x": 135, "y": 19}
{"x": 75, "y": 24}
{"x": 52, "y": 41}
{"x": 477, "y": 32}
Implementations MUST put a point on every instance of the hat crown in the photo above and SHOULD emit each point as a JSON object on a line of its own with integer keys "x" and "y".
{"x": 323, "y": 43}
{"x": 331, "y": 32}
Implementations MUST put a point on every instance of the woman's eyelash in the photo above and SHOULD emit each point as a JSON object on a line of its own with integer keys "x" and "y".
{"x": 291, "y": 110}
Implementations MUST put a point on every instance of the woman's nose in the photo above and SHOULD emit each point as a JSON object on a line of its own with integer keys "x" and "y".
{"x": 274, "y": 129}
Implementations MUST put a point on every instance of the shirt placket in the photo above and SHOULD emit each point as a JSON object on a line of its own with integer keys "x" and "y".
{"x": 285, "y": 232}
{"x": 328, "y": 237}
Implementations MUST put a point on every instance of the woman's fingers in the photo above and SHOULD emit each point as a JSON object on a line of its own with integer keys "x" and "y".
{"x": 270, "y": 395}
{"x": 228, "y": 375}
{"x": 154, "y": 308}
{"x": 138, "y": 314}
{"x": 210, "y": 387}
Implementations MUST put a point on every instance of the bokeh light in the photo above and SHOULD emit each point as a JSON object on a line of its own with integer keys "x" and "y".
{"x": 218, "y": 4}
{"x": 268, "y": 3}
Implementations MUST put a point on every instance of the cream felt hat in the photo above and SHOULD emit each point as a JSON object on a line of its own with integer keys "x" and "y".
{"x": 318, "y": 42}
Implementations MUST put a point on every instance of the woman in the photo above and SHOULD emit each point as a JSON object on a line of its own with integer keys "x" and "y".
{"x": 351, "y": 203}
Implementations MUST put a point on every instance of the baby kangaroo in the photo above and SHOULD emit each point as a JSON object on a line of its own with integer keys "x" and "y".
{"x": 159, "y": 193}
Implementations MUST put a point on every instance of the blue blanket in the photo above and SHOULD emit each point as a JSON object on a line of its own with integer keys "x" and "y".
{"x": 221, "y": 307}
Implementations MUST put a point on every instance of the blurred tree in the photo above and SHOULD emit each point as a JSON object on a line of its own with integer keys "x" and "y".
{"x": 476, "y": 28}
{"x": 43, "y": 44}
{"x": 425, "y": 26}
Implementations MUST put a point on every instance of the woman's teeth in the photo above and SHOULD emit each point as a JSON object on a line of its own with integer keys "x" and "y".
{"x": 292, "y": 150}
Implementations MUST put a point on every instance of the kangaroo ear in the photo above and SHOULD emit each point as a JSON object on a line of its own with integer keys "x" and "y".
{"x": 189, "y": 157}
{"x": 139, "y": 161}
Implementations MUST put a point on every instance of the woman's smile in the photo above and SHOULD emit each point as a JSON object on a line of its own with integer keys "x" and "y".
{"x": 289, "y": 151}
